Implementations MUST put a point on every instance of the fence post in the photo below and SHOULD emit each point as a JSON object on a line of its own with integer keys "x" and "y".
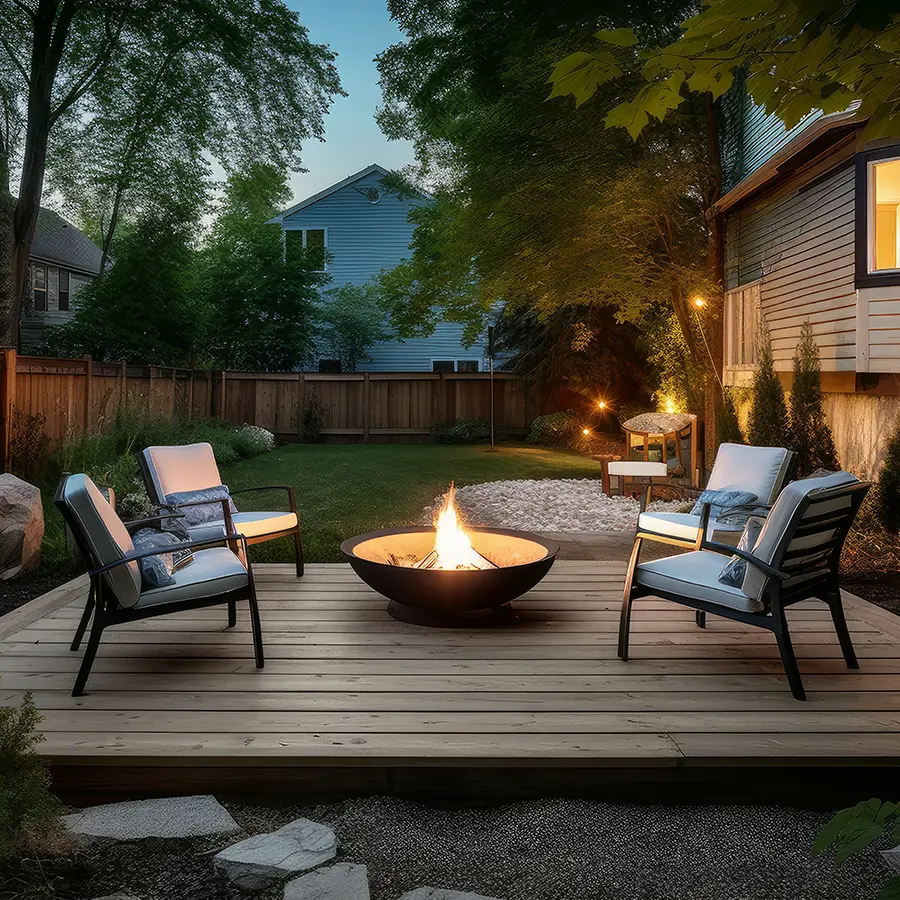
{"x": 367, "y": 414}
{"x": 191, "y": 397}
{"x": 301, "y": 401}
{"x": 223, "y": 400}
{"x": 123, "y": 389}
{"x": 88, "y": 379}
{"x": 7, "y": 402}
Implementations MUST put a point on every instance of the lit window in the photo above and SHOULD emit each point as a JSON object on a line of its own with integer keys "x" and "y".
{"x": 884, "y": 210}
{"x": 742, "y": 326}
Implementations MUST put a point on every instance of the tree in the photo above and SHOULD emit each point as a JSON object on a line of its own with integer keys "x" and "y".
{"x": 768, "y": 426}
{"x": 143, "y": 310}
{"x": 887, "y": 491}
{"x": 798, "y": 56}
{"x": 351, "y": 319}
{"x": 257, "y": 286}
{"x": 536, "y": 208}
{"x": 811, "y": 436}
{"x": 728, "y": 428}
{"x": 111, "y": 98}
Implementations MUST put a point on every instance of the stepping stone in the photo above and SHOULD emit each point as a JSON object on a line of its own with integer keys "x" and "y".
{"x": 430, "y": 893}
{"x": 264, "y": 859}
{"x": 345, "y": 881}
{"x": 171, "y": 817}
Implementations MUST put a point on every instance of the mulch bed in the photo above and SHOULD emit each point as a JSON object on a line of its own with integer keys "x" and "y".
{"x": 19, "y": 591}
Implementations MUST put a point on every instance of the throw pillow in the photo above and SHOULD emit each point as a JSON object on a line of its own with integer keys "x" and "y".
{"x": 156, "y": 570}
{"x": 735, "y": 569}
{"x": 203, "y": 513}
{"x": 721, "y": 501}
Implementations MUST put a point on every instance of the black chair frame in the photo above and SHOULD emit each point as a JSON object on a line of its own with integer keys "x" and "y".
{"x": 102, "y": 608}
{"x": 776, "y": 597}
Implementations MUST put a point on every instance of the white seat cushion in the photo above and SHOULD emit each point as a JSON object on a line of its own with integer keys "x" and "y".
{"x": 678, "y": 525}
{"x": 694, "y": 575}
{"x": 759, "y": 470}
{"x": 186, "y": 467}
{"x": 637, "y": 468}
{"x": 212, "y": 572}
{"x": 250, "y": 524}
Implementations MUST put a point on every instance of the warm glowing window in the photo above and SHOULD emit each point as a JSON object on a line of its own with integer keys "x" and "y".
{"x": 742, "y": 326}
{"x": 884, "y": 215}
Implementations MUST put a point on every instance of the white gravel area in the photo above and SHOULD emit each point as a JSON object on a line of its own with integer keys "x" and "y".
{"x": 547, "y": 504}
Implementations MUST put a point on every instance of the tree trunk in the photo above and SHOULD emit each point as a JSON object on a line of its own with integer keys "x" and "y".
{"x": 9, "y": 298}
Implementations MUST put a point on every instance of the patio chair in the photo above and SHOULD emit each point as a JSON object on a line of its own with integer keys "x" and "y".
{"x": 173, "y": 473}
{"x": 760, "y": 472}
{"x": 117, "y": 596}
{"x": 794, "y": 557}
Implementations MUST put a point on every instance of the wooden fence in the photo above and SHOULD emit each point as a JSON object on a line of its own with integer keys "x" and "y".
{"x": 385, "y": 407}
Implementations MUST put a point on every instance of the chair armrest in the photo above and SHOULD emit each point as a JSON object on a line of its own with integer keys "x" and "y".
{"x": 170, "y": 515}
{"x": 288, "y": 489}
{"x": 171, "y": 548}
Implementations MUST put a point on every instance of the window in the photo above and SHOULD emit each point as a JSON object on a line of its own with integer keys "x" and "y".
{"x": 329, "y": 365}
{"x": 63, "y": 290}
{"x": 878, "y": 217}
{"x": 315, "y": 240}
{"x": 442, "y": 365}
{"x": 458, "y": 365}
{"x": 39, "y": 287}
{"x": 742, "y": 326}
{"x": 467, "y": 365}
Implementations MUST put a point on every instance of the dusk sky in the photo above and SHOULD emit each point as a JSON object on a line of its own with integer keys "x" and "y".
{"x": 356, "y": 30}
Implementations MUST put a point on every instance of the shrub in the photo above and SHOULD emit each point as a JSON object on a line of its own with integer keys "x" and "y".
{"x": 462, "y": 431}
{"x": 728, "y": 428}
{"x": 28, "y": 444}
{"x": 768, "y": 416}
{"x": 811, "y": 436}
{"x": 561, "y": 429}
{"x": 315, "y": 414}
{"x": 887, "y": 491}
{"x": 259, "y": 440}
{"x": 28, "y": 811}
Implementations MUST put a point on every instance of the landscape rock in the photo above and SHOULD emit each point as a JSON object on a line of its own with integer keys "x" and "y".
{"x": 344, "y": 881}
{"x": 430, "y": 893}
{"x": 170, "y": 817}
{"x": 892, "y": 858}
{"x": 264, "y": 859}
{"x": 21, "y": 526}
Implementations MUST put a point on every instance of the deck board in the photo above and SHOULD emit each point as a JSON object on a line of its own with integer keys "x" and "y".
{"x": 346, "y": 685}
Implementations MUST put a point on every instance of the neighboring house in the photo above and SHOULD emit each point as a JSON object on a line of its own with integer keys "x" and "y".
{"x": 811, "y": 222}
{"x": 365, "y": 229}
{"x": 63, "y": 260}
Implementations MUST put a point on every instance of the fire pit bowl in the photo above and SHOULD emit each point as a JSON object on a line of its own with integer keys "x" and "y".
{"x": 450, "y": 598}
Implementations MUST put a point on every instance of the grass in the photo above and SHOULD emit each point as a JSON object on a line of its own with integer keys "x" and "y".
{"x": 347, "y": 489}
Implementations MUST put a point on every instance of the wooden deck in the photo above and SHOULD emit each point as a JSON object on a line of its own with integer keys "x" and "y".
{"x": 176, "y": 703}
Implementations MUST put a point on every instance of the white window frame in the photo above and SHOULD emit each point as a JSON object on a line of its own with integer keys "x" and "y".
{"x": 734, "y": 331}
{"x": 304, "y": 229}
{"x": 456, "y": 361}
{"x": 871, "y": 234}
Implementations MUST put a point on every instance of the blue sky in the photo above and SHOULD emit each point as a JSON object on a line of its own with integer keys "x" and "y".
{"x": 356, "y": 30}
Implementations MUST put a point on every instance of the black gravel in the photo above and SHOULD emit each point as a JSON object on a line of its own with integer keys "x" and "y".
{"x": 546, "y": 850}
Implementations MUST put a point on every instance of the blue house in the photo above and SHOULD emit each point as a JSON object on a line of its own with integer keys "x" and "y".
{"x": 365, "y": 229}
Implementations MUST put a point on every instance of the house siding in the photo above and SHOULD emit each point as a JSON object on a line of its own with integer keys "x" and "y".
{"x": 798, "y": 242}
{"x": 364, "y": 238}
{"x": 31, "y": 327}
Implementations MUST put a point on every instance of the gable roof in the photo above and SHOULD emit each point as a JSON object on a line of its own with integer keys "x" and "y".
{"x": 59, "y": 242}
{"x": 350, "y": 179}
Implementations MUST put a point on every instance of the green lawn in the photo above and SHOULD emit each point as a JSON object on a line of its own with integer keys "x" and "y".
{"x": 347, "y": 489}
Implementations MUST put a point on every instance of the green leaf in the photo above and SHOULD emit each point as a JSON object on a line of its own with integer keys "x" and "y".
{"x": 858, "y": 840}
{"x": 832, "y": 831}
{"x": 891, "y": 891}
{"x": 621, "y": 37}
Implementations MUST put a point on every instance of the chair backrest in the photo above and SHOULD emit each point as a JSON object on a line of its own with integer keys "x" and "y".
{"x": 171, "y": 470}
{"x": 100, "y": 535}
{"x": 804, "y": 532}
{"x": 761, "y": 470}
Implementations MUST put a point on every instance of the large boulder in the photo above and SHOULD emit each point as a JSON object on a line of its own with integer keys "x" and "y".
{"x": 21, "y": 526}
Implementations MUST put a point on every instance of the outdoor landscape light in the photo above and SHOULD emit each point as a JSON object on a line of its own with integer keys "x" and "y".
{"x": 585, "y": 431}
{"x": 699, "y": 302}
{"x": 670, "y": 406}
{"x": 602, "y": 404}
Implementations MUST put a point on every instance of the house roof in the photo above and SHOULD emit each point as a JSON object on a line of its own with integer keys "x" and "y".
{"x": 368, "y": 170}
{"x": 59, "y": 242}
{"x": 828, "y": 127}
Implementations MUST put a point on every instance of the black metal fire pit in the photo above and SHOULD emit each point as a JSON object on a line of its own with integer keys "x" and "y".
{"x": 444, "y": 597}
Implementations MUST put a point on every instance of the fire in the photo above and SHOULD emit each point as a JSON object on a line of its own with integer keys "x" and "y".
{"x": 452, "y": 546}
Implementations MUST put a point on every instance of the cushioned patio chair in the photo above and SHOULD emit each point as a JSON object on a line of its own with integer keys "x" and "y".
{"x": 117, "y": 594}
{"x": 759, "y": 473}
{"x": 176, "y": 475}
{"x": 791, "y": 555}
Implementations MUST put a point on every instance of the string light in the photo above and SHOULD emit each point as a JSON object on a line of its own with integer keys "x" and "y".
{"x": 602, "y": 404}
{"x": 585, "y": 431}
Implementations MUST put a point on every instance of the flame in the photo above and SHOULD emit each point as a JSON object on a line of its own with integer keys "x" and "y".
{"x": 452, "y": 544}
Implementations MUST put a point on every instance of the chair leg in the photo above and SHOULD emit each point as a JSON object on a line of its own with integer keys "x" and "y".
{"x": 298, "y": 553}
{"x": 835, "y": 604}
{"x": 788, "y": 659}
{"x": 625, "y": 618}
{"x": 89, "y": 653}
{"x": 700, "y": 617}
{"x": 85, "y": 618}
{"x": 232, "y": 613}
{"x": 256, "y": 625}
